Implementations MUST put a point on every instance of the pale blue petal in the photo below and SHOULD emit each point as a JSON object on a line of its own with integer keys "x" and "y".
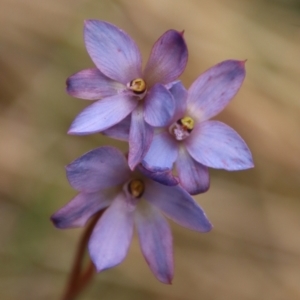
{"x": 113, "y": 51}
{"x": 156, "y": 241}
{"x": 162, "y": 153}
{"x": 218, "y": 146}
{"x": 159, "y": 106}
{"x": 178, "y": 205}
{"x": 213, "y": 90}
{"x": 103, "y": 114}
{"x": 79, "y": 210}
{"x": 179, "y": 94}
{"x": 168, "y": 58}
{"x": 111, "y": 237}
{"x": 193, "y": 176}
{"x": 119, "y": 131}
{"x": 98, "y": 169}
{"x": 164, "y": 177}
{"x": 140, "y": 137}
{"x": 91, "y": 84}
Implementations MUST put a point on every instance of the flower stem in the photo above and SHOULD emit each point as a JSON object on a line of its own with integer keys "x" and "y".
{"x": 79, "y": 279}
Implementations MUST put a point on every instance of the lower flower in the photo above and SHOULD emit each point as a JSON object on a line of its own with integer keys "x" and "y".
{"x": 104, "y": 181}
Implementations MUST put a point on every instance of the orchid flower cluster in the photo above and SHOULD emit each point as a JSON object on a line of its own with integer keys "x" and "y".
{"x": 172, "y": 143}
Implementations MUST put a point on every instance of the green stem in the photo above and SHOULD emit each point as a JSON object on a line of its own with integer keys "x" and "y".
{"x": 78, "y": 279}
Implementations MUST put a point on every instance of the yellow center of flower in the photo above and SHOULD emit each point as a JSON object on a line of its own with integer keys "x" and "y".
{"x": 138, "y": 85}
{"x": 187, "y": 123}
{"x": 136, "y": 188}
{"x": 182, "y": 128}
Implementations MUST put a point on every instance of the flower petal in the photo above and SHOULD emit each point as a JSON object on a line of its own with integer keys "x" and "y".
{"x": 178, "y": 205}
{"x": 140, "y": 137}
{"x": 213, "y": 90}
{"x": 217, "y": 145}
{"x": 159, "y": 106}
{"x": 167, "y": 60}
{"x": 155, "y": 241}
{"x": 78, "y": 211}
{"x": 113, "y": 51}
{"x": 179, "y": 94}
{"x": 91, "y": 84}
{"x": 98, "y": 169}
{"x": 193, "y": 176}
{"x": 162, "y": 152}
{"x": 111, "y": 237}
{"x": 120, "y": 131}
{"x": 103, "y": 114}
{"x": 164, "y": 177}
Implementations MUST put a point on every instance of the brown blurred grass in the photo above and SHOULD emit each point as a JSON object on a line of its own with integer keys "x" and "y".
{"x": 253, "y": 251}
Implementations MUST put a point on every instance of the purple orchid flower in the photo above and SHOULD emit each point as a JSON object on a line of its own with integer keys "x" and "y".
{"x": 128, "y": 94}
{"x": 104, "y": 180}
{"x": 191, "y": 141}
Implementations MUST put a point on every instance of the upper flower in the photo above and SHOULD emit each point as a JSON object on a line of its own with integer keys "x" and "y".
{"x": 103, "y": 180}
{"x": 126, "y": 90}
{"x": 193, "y": 142}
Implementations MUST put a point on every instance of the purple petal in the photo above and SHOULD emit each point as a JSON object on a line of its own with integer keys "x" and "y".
{"x": 167, "y": 60}
{"x": 217, "y": 145}
{"x": 113, "y": 51}
{"x": 178, "y": 205}
{"x": 162, "y": 152}
{"x": 78, "y": 211}
{"x": 159, "y": 106}
{"x": 155, "y": 241}
{"x": 213, "y": 90}
{"x": 98, "y": 169}
{"x": 103, "y": 114}
{"x": 119, "y": 131}
{"x": 193, "y": 177}
{"x": 91, "y": 84}
{"x": 164, "y": 177}
{"x": 140, "y": 137}
{"x": 111, "y": 237}
{"x": 179, "y": 94}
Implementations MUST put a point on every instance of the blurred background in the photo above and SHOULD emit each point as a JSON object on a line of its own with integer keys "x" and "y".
{"x": 253, "y": 251}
